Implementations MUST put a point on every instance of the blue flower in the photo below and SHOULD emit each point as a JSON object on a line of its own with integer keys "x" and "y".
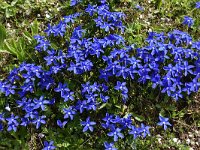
{"x": 25, "y": 122}
{"x": 74, "y": 2}
{"x": 164, "y": 122}
{"x": 2, "y": 117}
{"x": 194, "y": 85}
{"x": 122, "y": 71}
{"x": 86, "y": 65}
{"x": 109, "y": 146}
{"x": 187, "y": 68}
{"x": 116, "y": 120}
{"x": 86, "y": 87}
{"x": 68, "y": 96}
{"x": 30, "y": 112}
{"x": 90, "y": 9}
{"x": 40, "y": 103}
{"x": 69, "y": 113}
{"x": 12, "y": 123}
{"x": 104, "y": 87}
{"x": 91, "y": 97}
{"x": 81, "y": 105}
{"x": 145, "y": 130}
{"x": 121, "y": 86}
{"x": 48, "y": 146}
{"x": 104, "y": 98}
{"x": 139, "y": 7}
{"x": 177, "y": 94}
{"x": 107, "y": 119}
{"x": 7, "y": 88}
{"x": 39, "y": 120}
{"x": 113, "y": 66}
{"x": 70, "y": 18}
{"x": 188, "y": 21}
{"x": 126, "y": 122}
{"x": 197, "y": 5}
{"x": 43, "y": 45}
{"x": 135, "y": 132}
{"x": 88, "y": 125}
{"x": 39, "y": 38}
{"x": 1, "y": 127}
{"x": 48, "y": 31}
{"x": 75, "y": 68}
{"x": 61, "y": 124}
{"x": 59, "y": 29}
{"x": 62, "y": 88}
{"x": 116, "y": 133}
{"x": 95, "y": 87}
{"x": 103, "y": 1}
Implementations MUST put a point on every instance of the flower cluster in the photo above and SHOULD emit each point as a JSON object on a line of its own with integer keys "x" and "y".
{"x": 104, "y": 65}
{"x": 116, "y": 125}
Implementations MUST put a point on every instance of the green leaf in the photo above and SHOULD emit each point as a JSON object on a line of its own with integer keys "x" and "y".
{"x": 8, "y": 47}
{"x": 2, "y": 35}
{"x": 34, "y": 27}
{"x": 14, "y": 2}
{"x": 158, "y": 4}
{"x": 138, "y": 117}
{"x": 9, "y": 12}
{"x": 27, "y": 35}
{"x": 102, "y": 106}
{"x": 16, "y": 47}
{"x": 4, "y": 5}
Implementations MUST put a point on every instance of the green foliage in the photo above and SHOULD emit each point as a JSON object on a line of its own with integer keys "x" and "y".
{"x": 2, "y": 35}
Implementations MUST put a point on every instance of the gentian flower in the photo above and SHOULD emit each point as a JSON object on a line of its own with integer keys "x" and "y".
{"x": 69, "y": 113}
{"x": 109, "y": 146}
{"x": 43, "y": 45}
{"x": 68, "y": 96}
{"x": 25, "y": 122}
{"x": 188, "y": 21}
{"x": 164, "y": 122}
{"x": 104, "y": 98}
{"x": 40, "y": 103}
{"x": 107, "y": 119}
{"x": 135, "y": 131}
{"x": 194, "y": 85}
{"x": 103, "y": 1}
{"x": 74, "y": 2}
{"x": 145, "y": 130}
{"x": 197, "y": 5}
{"x": 48, "y": 146}
{"x": 95, "y": 87}
{"x": 139, "y": 7}
{"x": 126, "y": 122}
{"x": 187, "y": 68}
{"x": 81, "y": 105}
{"x": 39, "y": 120}
{"x": 88, "y": 125}
{"x": 90, "y": 9}
{"x": 2, "y": 117}
{"x": 12, "y": 123}
{"x": 116, "y": 133}
{"x": 61, "y": 124}
{"x": 62, "y": 88}
{"x": 1, "y": 127}
{"x": 121, "y": 86}
{"x": 39, "y": 38}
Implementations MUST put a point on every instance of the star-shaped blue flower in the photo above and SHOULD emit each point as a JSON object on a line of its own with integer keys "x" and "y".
{"x": 88, "y": 125}
{"x": 164, "y": 122}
